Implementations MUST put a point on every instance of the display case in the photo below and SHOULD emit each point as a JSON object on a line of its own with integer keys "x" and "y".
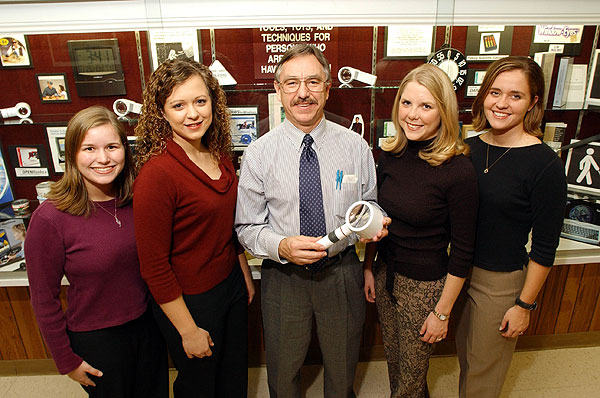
{"x": 102, "y": 51}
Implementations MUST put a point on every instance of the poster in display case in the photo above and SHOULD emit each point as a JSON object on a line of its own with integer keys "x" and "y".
{"x": 14, "y": 51}
{"x": 173, "y": 44}
{"x": 592, "y": 97}
{"x": 408, "y": 41}
{"x": 12, "y": 239}
{"x": 56, "y": 141}
{"x": 244, "y": 126}
{"x": 487, "y": 43}
{"x": 29, "y": 161}
{"x": 6, "y": 195}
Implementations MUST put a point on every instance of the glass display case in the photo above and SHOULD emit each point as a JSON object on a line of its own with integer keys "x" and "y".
{"x": 60, "y": 57}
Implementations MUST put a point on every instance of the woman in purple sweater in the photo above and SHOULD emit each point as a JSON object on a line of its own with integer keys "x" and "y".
{"x": 107, "y": 339}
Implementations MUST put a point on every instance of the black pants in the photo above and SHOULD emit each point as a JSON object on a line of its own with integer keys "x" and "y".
{"x": 222, "y": 312}
{"x": 132, "y": 358}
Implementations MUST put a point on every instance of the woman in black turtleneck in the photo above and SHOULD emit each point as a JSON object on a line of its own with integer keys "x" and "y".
{"x": 428, "y": 187}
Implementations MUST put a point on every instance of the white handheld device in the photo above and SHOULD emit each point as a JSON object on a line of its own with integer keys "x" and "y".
{"x": 362, "y": 218}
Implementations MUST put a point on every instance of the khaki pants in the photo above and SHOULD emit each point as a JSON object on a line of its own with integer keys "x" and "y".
{"x": 484, "y": 355}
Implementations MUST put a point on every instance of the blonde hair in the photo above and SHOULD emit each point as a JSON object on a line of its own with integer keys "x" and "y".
{"x": 448, "y": 142}
{"x": 69, "y": 194}
{"x": 153, "y": 130}
{"x": 535, "y": 79}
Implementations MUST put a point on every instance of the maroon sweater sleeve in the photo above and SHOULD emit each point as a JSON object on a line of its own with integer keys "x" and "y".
{"x": 45, "y": 254}
{"x": 154, "y": 204}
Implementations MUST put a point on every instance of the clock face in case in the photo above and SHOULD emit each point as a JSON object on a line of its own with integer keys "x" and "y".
{"x": 452, "y": 62}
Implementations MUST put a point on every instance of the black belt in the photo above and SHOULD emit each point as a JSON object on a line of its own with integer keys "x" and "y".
{"x": 333, "y": 259}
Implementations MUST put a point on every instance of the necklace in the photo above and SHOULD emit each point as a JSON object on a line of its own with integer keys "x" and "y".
{"x": 487, "y": 156}
{"x": 113, "y": 215}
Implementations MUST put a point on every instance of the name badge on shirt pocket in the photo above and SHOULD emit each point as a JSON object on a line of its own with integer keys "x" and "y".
{"x": 347, "y": 195}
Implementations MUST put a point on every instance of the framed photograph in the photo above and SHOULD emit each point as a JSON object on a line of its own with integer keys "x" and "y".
{"x": 474, "y": 80}
{"x": 172, "y": 44}
{"x": 14, "y": 51}
{"x": 592, "y": 97}
{"x": 132, "y": 141}
{"x": 385, "y": 129}
{"x": 56, "y": 141}
{"x": 487, "y": 43}
{"x": 276, "y": 111}
{"x": 12, "y": 239}
{"x": 408, "y": 41}
{"x": 28, "y": 160}
{"x": 468, "y": 131}
{"x": 53, "y": 87}
{"x": 244, "y": 126}
{"x": 6, "y": 194}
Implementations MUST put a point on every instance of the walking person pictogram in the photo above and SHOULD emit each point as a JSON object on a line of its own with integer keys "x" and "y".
{"x": 585, "y": 165}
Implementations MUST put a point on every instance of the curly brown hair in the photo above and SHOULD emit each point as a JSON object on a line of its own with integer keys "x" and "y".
{"x": 153, "y": 130}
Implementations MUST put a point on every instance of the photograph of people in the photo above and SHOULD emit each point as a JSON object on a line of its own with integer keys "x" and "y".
{"x": 522, "y": 190}
{"x": 13, "y": 51}
{"x": 428, "y": 187}
{"x": 107, "y": 340}
{"x": 49, "y": 91}
{"x": 285, "y": 203}
{"x": 184, "y": 207}
{"x": 61, "y": 92}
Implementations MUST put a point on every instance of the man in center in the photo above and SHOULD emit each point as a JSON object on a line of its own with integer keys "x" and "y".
{"x": 296, "y": 183}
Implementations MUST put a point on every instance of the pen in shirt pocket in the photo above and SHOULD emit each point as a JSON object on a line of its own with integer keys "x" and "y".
{"x": 339, "y": 176}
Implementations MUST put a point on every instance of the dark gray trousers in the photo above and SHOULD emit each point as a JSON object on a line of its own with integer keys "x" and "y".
{"x": 291, "y": 296}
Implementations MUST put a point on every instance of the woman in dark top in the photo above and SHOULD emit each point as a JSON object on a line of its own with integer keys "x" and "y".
{"x": 428, "y": 187}
{"x": 522, "y": 189}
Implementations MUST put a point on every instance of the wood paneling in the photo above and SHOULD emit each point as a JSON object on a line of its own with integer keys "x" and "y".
{"x": 569, "y": 305}
{"x": 569, "y": 297}
{"x": 11, "y": 342}
{"x": 552, "y": 293}
{"x": 25, "y": 320}
{"x": 586, "y": 299}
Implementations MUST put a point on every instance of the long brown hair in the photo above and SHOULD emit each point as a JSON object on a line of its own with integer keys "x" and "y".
{"x": 535, "y": 79}
{"x": 447, "y": 142}
{"x": 70, "y": 194}
{"x": 153, "y": 130}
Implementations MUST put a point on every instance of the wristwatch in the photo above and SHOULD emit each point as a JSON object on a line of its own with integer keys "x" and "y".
{"x": 441, "y": 317}
{"x": 525, "y": 305}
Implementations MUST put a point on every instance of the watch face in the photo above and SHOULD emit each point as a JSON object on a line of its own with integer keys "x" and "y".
{"x": 452, "y": 62}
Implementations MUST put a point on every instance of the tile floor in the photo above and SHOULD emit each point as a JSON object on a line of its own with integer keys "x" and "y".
{"x": 564, "y": 373}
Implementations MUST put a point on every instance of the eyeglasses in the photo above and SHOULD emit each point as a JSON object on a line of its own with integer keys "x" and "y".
{"x": 291, "y": 86}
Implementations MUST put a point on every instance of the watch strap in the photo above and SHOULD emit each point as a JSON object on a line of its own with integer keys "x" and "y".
{"x": 525, "y": 305}
{"x": 441, "y": 317}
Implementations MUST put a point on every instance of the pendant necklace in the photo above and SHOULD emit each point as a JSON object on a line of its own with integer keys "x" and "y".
{"x": 117, "y": 221}
{"x": 487, "y": 156}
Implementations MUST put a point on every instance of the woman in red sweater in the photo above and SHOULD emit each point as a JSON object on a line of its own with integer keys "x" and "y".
{"x": 184, "y": 205}
{"x": 107, "y": 340}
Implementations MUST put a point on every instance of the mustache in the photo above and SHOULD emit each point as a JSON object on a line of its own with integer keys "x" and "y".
{"x": 304, "y": 101}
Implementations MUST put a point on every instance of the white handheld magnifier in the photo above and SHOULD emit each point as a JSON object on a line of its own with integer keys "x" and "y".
{"x": 21, "y": 110}
{"x": 123, "y": 106}
{"x": 347, "y": 74}
{"x": 362, "y": 218}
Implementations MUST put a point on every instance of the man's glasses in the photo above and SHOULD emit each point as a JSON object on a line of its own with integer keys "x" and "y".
{"x": 291, "y": 86}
